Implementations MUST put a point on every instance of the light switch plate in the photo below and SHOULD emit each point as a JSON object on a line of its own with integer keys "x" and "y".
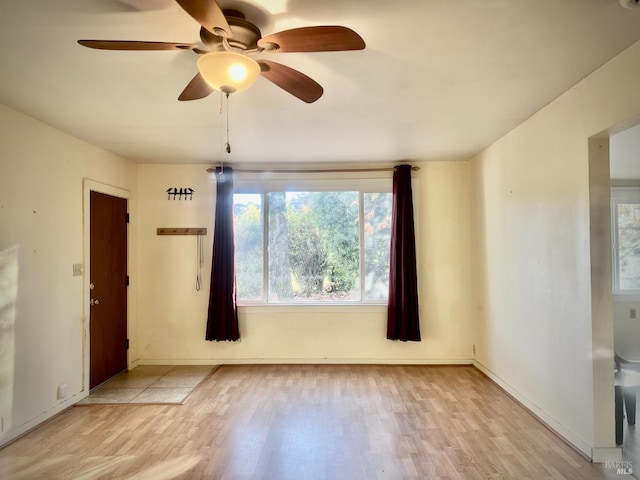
{"x": 78, "y": 269}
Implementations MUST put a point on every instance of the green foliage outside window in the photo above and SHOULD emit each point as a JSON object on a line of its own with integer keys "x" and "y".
{"x": 314, "y": 246}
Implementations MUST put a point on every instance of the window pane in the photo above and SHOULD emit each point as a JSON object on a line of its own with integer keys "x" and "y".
{"x": 314, "y": 246}
{"x": 629, "y": 245}
{"x": 377, "y": 238}
{"x": 249, "y": 232}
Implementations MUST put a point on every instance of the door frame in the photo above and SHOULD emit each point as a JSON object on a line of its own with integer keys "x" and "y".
{"x": 89, "y": 186}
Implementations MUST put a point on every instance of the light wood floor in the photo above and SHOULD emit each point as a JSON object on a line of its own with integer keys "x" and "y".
{"x": 304, "y": 423}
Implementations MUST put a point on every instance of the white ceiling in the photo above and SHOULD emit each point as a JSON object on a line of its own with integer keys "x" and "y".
{"x": 439, "y": 79}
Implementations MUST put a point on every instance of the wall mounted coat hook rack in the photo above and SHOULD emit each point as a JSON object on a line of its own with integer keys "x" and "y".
{"x": 179, "y": 192}
{"x": 181, "y": 231}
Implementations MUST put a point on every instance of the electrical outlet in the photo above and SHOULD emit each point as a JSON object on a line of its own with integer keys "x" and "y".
{"x": 474, "y": 349}
{"x": 632, "y": 313}
{"x": 78, "y": 269}
{"x": 62, "y": 391}
{"x": 1, "y": 424}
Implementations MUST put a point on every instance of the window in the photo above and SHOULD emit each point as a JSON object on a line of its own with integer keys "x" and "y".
{"x": 625, "y": 216}
{"x": 313, "y": 243}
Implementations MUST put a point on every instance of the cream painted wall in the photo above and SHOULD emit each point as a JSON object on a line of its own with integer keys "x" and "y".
{"x": 532, "y": 275}
{"x": 41, "y": 210}
{"x": 173, "y": 314}
{"x": 625, "y": 161}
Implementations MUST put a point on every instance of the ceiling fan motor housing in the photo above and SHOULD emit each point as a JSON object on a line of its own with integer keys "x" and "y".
{"x": 245, "y": 33}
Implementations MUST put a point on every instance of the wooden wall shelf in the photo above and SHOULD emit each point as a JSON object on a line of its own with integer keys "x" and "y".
{"x": 181, "y": 231}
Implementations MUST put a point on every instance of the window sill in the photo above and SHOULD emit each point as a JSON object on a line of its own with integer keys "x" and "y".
{"x": 312, "y": 307}
{"x": 626, "y": 297}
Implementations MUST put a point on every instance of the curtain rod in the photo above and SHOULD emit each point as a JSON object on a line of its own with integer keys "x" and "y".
{"x": 329, "y": 170}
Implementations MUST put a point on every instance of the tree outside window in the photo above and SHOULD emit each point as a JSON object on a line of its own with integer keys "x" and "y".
{"x": 319, "y": 246}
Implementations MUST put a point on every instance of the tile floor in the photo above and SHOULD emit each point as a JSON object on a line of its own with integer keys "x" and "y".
{"x": 150, "y": 384}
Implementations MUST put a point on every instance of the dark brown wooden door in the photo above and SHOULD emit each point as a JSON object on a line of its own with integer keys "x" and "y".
{"x": 108, "y": 284}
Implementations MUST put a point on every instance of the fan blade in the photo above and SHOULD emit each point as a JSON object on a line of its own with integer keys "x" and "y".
{"x": 135, "y": 45}
{"x": 196, "y": 89}
{"x": 208, "y": 14}
{"x": 313, "y": 39}
{"x": 292, "y": 81}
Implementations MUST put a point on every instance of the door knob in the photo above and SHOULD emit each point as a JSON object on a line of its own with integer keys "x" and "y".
{"x": 93, "y": 302}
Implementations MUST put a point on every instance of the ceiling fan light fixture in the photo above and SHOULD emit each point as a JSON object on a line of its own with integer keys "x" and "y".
{"x": 228, "y": 71}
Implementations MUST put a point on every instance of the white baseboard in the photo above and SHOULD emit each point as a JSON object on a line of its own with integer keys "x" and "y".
{"x": 17, "y": 432}
{"x": 551, "y": 423}
{"x": 304, "y": 361}
{"x": 133, "y": 364}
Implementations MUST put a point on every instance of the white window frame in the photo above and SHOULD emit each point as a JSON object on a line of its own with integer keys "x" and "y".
{"x": 265, "y": 182}
{"x": 620, "y": 195}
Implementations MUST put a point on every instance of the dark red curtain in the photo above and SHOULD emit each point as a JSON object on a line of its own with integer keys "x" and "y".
{"x": 403, "y": 319}
{"x": 222, "y": 320}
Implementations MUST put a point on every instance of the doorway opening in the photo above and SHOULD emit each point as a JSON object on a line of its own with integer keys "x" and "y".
{"x": 624, "y": 167}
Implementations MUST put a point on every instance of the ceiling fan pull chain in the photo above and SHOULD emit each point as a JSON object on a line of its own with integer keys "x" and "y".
{"x": 227, "y": 145}
{"x": 221, "y": 134}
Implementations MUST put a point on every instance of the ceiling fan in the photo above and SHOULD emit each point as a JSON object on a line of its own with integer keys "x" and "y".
{"x": 231, "y": 41}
